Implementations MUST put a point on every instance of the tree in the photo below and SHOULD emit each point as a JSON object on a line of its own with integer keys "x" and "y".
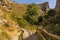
{"x": 32, "y": 14}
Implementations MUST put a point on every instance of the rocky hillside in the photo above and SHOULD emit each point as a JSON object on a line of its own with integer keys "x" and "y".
{"x": 9, "y": 26}
{"x": 13, "y": 25}
{"x": 21, "y": 8}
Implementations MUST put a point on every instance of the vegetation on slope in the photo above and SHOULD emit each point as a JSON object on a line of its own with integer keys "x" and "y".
{"x": 27, "y": 16}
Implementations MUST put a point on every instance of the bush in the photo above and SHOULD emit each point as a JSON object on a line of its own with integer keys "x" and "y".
{"x": 51, "y": 12}
{"x": 22, "y": 22}
{"x": 32, "y": 14}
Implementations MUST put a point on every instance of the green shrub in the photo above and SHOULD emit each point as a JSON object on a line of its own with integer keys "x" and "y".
{"x": 32, "y": 14}
{"x": 51, "y": 12}
{"x": 22, "y": 22}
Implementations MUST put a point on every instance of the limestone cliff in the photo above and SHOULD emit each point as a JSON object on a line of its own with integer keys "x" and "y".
{"x": 57, "y": 5}
{"x": 44, "y": 7}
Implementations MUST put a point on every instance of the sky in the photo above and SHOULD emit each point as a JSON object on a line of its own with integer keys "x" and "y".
{"x": 52, "y": 3}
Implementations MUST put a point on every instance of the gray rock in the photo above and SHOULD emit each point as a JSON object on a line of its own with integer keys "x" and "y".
{"x": 44, "y": 7}
{"x": 57, "y": 5}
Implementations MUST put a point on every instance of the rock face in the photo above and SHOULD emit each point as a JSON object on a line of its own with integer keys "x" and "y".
{"x": 6, "y": 5}
{"x": 44, "y": 6}
{"x": 2, "y": 20}
{"x": 4, "y": 2}
{"x": 57, "y": 5}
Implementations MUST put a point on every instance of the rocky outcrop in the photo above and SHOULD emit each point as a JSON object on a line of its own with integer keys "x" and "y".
{"x": 44, "y": 7}
{"x": 57, "y": 5}
{"x": 2, "y": 19}
{"x": 6, "y": 5}
{"x": 4, "y": 2}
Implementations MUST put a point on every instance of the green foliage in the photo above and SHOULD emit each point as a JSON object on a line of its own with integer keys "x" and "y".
{"x": 4, "y": 36}
{"x": 51, "y": 12}
{"x": 53, "y": 23}
{"x": 58, "y": 12}
{"x": 40, "y": 19}
{"x": 32, "y": 9}
{"x": 22, "y": 22}
{"x": 32, "y": 14}
{"x": 46, "y": 16}
{"x": 14, "y": 16}
{"x": 50, "y": 21}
